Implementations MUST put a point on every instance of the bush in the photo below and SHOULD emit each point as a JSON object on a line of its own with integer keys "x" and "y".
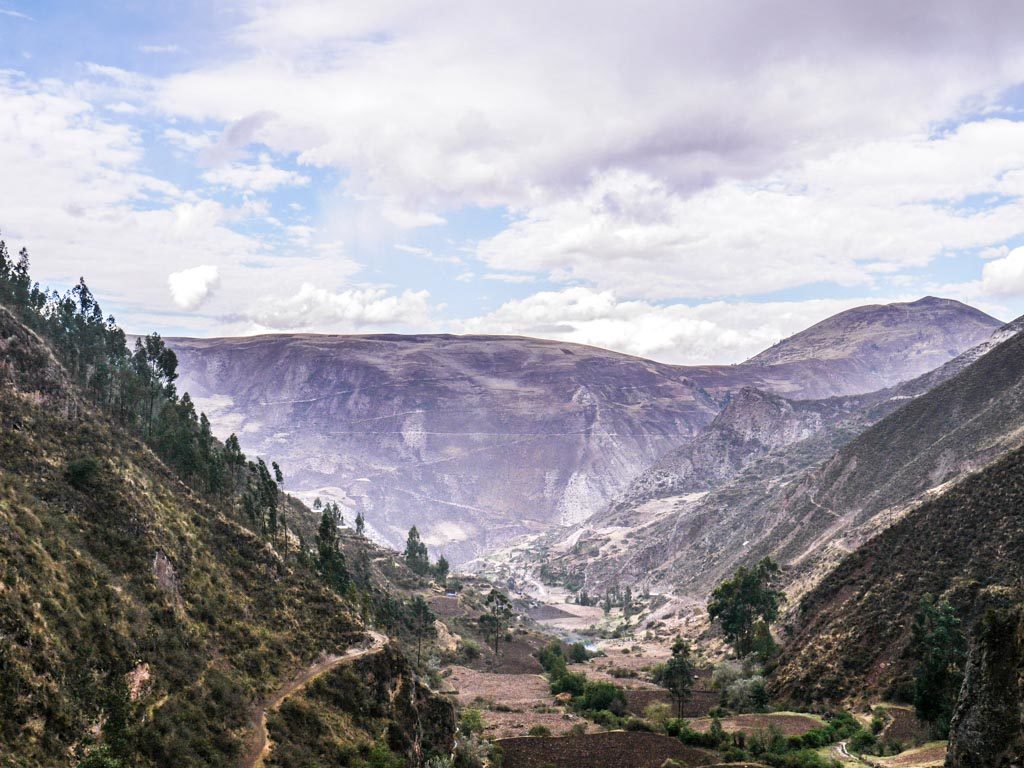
{"x": 636, "y": 724}
{"x": 877, "y": 724}
{"x": 472, "y": 721}
{"x": 100, "y": 758}
{"x": 572, "y": 683}
{"x": 83, "y": 473}
{"x": 766, "y": 741}
{"x": 470, "y": 649}
{"x": 578, "y": 653}
{"x": 470, "y": 752}
{"x": 605, "y": 718}
{"x": 658, "y": 713}
{"x": 551, "y": 658}
{"x": 746, "y": 695}
{"x": 578, "y": 729}
{"x": 539, "y": 730}
{"x": 862, "y": 742}
{"x": 598, "y": 695}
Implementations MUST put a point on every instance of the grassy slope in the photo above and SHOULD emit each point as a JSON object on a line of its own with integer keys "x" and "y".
{"x": 853, "y": 629}
{"x": 134, "y": 578}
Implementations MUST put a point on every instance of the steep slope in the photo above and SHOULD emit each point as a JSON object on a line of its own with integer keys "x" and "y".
{"x": 137, "y": 614}
{"x": 851, "y": 632}
{"x": 807, "y": 502}
{"x": 480, "y": 439}
{"x": 808, "y": 519}
{"x": 752, "y": 424}
{"x": 472, "y": 439}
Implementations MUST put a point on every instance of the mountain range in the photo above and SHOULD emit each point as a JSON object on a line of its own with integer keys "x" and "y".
{"x": 478, "y": 440}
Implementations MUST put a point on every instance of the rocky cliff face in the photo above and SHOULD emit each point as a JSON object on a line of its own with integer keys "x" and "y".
{"x": 807, "y": 502}
{"x": 988, "y": 724}
{"x": 477, "y": 440}
{"x": 474, "y": 440}
{"x": 752, "y": 424}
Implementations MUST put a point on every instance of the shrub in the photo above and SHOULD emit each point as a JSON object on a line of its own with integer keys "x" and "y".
{"x": 83, "y": 473}
{"x": 572, "y": 683}
{"x": 472, "y": 721}
{"x": 636, "y": 724}
{"x": 578, "y": 653}
{"x": 539, "y": 730}
{"x": 471, "y": 752}
{"x": 578, "y": 729}
{"x": 658, "y": 713}
{"x": 598, "y": 694}
{"x": 862, "y": 742}
{"x": 766, "y": 741}
{"x": 470, "y": 649}
{"x": 605, "y": 718}
{"x": 746, "y": 695}
{"x": 551, "y": 658}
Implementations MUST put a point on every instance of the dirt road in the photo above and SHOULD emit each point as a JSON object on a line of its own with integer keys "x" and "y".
{"x": 258, "y": 745}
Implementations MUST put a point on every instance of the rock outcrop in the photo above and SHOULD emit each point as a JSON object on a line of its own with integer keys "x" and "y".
{"x": 988, "y": 725}
{"x": 477, "y": 440}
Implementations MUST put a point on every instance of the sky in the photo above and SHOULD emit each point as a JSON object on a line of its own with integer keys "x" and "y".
{"x": 686, "y": 181}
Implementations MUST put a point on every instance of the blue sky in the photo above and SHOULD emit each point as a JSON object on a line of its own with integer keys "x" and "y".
{"x": 672, "y": 179}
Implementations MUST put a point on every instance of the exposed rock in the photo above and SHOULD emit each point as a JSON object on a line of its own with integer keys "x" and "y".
{"x": 988, "y": 725}
{"x": 477, "y": 439}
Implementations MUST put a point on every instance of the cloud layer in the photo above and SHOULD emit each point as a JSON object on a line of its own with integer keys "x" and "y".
{"x": 677, "y": 179}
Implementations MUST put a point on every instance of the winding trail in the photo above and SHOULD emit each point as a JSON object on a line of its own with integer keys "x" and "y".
{"x": 258, "y": 745}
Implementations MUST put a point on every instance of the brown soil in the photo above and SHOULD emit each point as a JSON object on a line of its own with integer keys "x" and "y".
{"x": 447, "y": 607}
{"x": 514, "y": 657}
{"x": 616, "y": 749}
{"x": 905, "y": 727}
{"x": 933, "y": 755}
{"x": 789, "y": 724}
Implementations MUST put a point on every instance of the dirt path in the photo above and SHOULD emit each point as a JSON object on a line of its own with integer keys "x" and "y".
{"x": 258, "y": 745}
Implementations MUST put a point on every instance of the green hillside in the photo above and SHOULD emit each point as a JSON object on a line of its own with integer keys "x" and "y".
{"x": 148, "y": 602}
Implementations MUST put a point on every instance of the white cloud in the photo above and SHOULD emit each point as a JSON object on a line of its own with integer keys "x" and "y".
{"x": 15, "y": 14}
{"x": 508, "y": 277}
{"x": 191, "y": 287}
{"x": 1004, "y": 277}
{"x": 261, "y": 176}
{"x": 435, "y": 109}
{"x": 358, "y": 308}
{"x": 873, "y": 209}
{"x": 715, "y": 332}
{"x": 159, "y": 48}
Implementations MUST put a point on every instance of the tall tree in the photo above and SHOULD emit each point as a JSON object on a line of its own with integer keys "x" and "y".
{"x": 939, "y": 645}
{"x": 677, "y": 676}
{"x": 497, "y": 616}
{"x": 741, "y": 603}
{"x": 416, "y": 556}
{"x": 421, "y": 622}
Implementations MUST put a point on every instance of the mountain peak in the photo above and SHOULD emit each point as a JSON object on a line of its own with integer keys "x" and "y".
{"x": 908, "y": 338}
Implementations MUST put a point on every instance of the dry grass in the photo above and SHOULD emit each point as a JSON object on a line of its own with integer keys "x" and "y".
{"x": 790, "y": 723}
{"x": 931, "y": 755}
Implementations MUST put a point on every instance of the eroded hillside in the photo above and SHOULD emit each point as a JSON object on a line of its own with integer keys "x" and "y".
{"x": 478, "y": 440}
